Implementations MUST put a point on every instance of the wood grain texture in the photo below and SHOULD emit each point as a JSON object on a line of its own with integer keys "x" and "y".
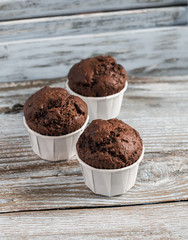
{"x": 158, "y": 51}
{"x": 18, "y": 9}
{"x": 164, "y": 221}
{"x": 92, "y": 23}
{"x": 156, "y": 107}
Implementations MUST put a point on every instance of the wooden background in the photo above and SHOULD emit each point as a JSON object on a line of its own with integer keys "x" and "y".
{"x": 39, "y": 42}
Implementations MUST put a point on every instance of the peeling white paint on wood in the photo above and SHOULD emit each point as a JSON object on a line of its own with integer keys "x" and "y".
{"x": 158, "y": 51}
{"x": 18, "y": 9}
{"x": 92, "y": 23}
{"x": 163, "y": 221}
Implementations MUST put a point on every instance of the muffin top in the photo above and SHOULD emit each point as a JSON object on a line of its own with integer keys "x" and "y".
{"x": 97, "y": 77}
{"x": 54, "y": 112}
{"x": 109, "y": 144}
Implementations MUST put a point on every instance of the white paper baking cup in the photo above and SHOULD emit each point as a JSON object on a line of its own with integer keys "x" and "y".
{"x": 110, "y": 182}
{"x": 102, "y": 107}
{"x": 55, "y": 148}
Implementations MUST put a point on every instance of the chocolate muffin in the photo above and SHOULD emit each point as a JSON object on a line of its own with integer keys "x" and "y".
{"x": 54, "y": 112}
{"x": 97, "y": 77}
{"x": 109, "y": 144}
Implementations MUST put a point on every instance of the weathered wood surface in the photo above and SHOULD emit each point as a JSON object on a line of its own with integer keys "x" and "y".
{"x": 45, "y": 48}
{"x": 163, "y": 221}
{"x": 156, "y": 107}
{"x": 18, "y": 9}
{"x": 92, "y": 23}
{"x": 157, "y": 51}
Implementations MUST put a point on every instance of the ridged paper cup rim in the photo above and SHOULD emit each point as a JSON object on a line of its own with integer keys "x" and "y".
{"x": 55, "y": 137}
{"x": 111, "y": 170}
{"x": 97, "y": 98}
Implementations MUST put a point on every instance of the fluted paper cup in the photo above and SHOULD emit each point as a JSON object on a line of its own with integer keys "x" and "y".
{"x": 110, "y": 182}
{"x": 102, "y": 107}
{"x": 54, "y": 148}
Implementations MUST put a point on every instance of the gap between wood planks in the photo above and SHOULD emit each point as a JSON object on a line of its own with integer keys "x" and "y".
{"x": 6, "y": 86}
{"x": 16, "y": 108}
{"x": 93, "y": 207}
{"x": 101, "y": 11}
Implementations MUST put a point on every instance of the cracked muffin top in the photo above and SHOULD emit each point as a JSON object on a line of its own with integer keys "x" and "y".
{"x": 97, "y": 77}
{"x": 109, "y": 144}
{"x": 54, "y": 112}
